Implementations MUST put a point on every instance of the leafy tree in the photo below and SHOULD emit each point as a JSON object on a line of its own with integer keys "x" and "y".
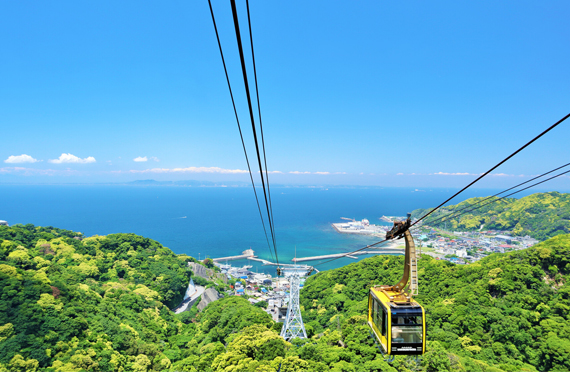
{"x": 209, "y": 263}
{"x": 436, "y": 359}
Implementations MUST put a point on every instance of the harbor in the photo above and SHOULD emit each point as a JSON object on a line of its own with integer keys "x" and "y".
{"x": 248, "y": 253}
{"x": 394, "y": 250}
{"x": 360, "y": 227}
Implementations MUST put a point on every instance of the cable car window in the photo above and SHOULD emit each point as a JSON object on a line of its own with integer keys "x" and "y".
{"x": 384, "y": 321}
{"x": 408, "y": 319}
{"x": 375, "y": 314}
{"x": 378, "y": 317}
{"x": 407, "y": 329}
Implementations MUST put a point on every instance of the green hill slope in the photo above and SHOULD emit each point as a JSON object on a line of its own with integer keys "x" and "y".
{"x": 507, "y": 310}
{"x": 101, "y": 304}
{"x": 541, "y": 215}
{"x": 98, "y": 303}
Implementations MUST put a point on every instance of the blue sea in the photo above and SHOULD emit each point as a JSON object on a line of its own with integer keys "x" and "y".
{"x": 219, "y": 221}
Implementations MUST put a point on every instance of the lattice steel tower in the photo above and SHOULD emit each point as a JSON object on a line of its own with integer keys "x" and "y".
{"x": 293, "y": 326}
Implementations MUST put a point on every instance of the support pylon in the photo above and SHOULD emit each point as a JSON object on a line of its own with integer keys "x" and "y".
{"x": 293, "y": 326}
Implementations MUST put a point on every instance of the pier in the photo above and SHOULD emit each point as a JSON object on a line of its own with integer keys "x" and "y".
{"x": 248, "y": 253}
{"x": 265, "y": 262}
{"x": 349, "y": 254}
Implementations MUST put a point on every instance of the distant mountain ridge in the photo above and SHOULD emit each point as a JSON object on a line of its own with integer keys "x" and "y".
{"x": 540, "y": 215}
{"x": 187, "y": 183}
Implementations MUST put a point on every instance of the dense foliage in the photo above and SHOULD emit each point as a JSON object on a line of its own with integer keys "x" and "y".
{"x": 541, "y": 215}
{"x": 69, "y": 303}
{"x": 509, "y": 311}
{"x": 97, "y": 303}
{"x": 232, "y": 335}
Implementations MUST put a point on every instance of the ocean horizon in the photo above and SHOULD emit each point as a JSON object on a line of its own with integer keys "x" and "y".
{"x": 222, "y": 221}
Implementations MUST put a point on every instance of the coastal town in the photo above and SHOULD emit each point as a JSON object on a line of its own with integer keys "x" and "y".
{"x": 464, "y": 247}
{"x": 263, "y": 290}
{"x": 461, "y": 247}
{"x": 272, "y": 293}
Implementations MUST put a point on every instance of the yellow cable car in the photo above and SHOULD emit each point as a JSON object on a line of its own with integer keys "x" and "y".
{"x": 396, "y": 320}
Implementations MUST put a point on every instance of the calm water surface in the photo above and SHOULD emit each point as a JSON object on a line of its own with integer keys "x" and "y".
{"x": 216, "y": 221}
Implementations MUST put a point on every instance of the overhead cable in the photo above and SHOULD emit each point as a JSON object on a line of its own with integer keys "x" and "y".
{"x": 259, "y": 112}
{"x": 496, "y": 166}
{"x": 493, "y": 201}
{"x": 450, "y": 215}
{"x": 349, "y": 253}
{"x": 239, "y": 127}
{"x": 252, "y": 118}
{"x": 506, "y": 196}
{"x": 483, "y": 175}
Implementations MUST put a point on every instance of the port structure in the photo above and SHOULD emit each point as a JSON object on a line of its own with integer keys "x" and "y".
{"x": 293, "y": 326}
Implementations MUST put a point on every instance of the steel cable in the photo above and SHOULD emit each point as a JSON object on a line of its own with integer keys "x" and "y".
{"x": 260, "y": 122}
{"x": 493, "y": 201}
{"x": 349, "y": 253}
{"x": 496, "y": 166}
{"x": 248, "y": 95}
{"x": 513, "y": 193}
{"x": 239, "y": 128}
{"x": 450, "y": 215}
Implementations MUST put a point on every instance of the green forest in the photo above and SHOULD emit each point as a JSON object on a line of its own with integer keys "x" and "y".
{"x": 540, "y": 215}
{"x": 102, "y": 303}
{"x": 507, "y": 312}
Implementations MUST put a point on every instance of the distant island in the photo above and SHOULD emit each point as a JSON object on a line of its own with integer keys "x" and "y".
{"x": 189, "y": 183}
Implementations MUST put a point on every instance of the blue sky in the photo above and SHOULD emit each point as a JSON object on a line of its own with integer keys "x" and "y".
{"x": 425, "y": 94}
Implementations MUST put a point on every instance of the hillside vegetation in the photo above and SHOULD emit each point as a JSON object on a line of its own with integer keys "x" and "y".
{"x": 102, "y": 304}
{"x": 99, "y": 303}
{"x": 509, "y": 311}
{"x": 540, "y": 215}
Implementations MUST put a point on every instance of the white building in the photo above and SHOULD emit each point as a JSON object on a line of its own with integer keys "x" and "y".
{"x": 461, "y": 253}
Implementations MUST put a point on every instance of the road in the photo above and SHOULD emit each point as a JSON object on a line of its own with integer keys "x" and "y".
{"x": 184, "y": 305}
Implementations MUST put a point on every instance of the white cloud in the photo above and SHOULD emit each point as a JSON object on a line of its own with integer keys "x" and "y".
{"x": 140, "y": 159}
{"x": 69, "y": 158}
{"x": 190, "y": 170}
{"x": 455, "y": 174}
{"x": 20, "y": 159}
{"x": 297, "y": 172}
{"x": 32, "y": 172}
{"x": 339, "y": 172}
{"x": 399, "y": 174}
{"x": 322, "y": 173}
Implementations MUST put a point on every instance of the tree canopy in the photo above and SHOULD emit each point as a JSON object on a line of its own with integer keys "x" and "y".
{"x": 70, "y": 303}
{"x": 540, "y": 215}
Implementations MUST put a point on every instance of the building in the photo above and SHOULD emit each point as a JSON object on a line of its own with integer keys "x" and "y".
{"x": 4, "y": 223}
{"x": 504, "y": 238}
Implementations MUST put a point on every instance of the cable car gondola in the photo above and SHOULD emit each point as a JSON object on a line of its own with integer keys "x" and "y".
{"x": 396, "y": 320}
